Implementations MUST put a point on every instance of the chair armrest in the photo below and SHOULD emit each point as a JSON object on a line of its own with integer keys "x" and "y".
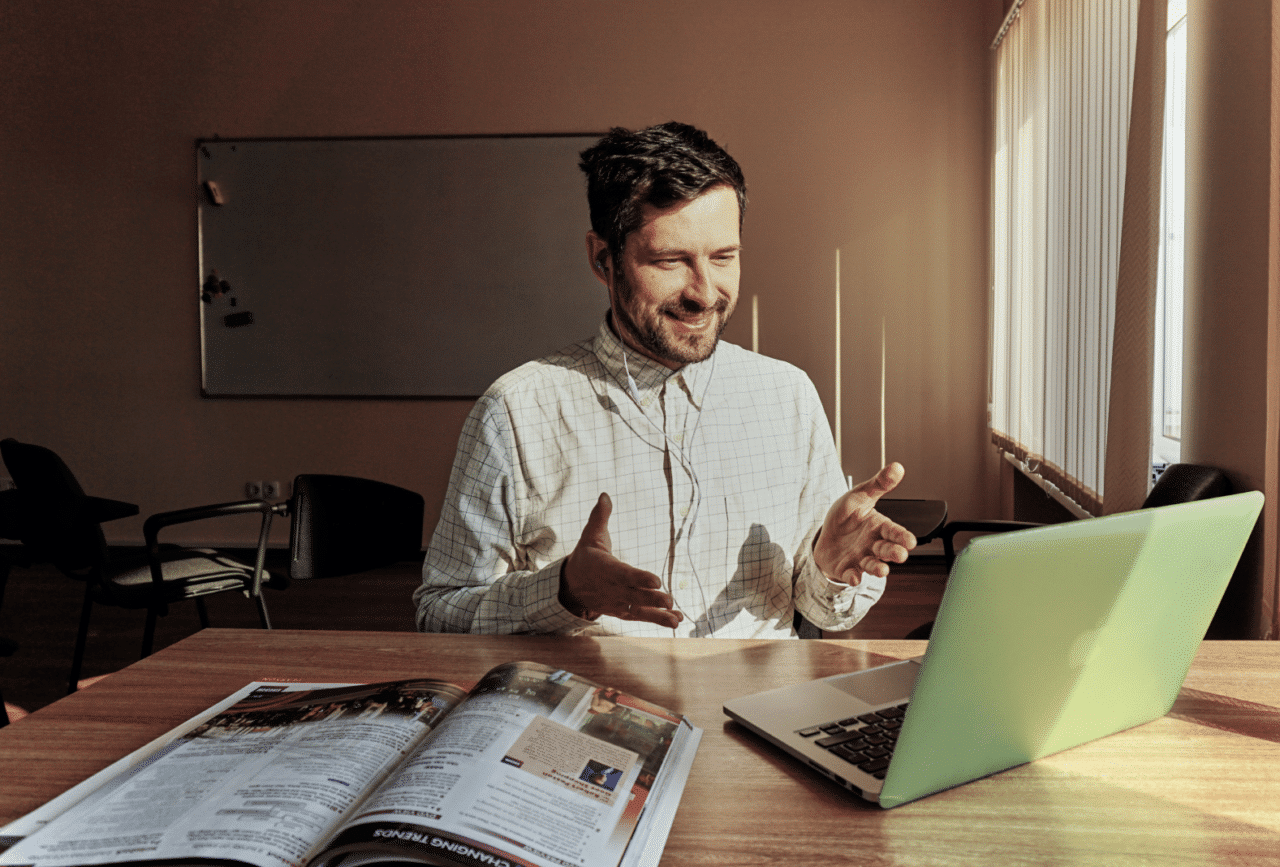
{"x": 949, "y": 530}
{"x": 153, "y": 525}
{"x": 160, "y": 520}
{"x": 953, "y": 527}
{"x": 923, "y": 518}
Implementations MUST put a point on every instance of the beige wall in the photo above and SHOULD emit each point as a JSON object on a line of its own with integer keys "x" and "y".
{"x": 860, "y": 125}
{"x": 1228, "y": 319}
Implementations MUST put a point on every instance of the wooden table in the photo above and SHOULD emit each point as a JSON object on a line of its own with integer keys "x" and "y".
{"x": 1200, "y": 786}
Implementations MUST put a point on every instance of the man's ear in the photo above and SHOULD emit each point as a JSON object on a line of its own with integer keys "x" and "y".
{"x": 598, "y": 257}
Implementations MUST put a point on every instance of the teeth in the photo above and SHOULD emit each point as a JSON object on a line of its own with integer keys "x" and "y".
{"x": 693, "y": 321}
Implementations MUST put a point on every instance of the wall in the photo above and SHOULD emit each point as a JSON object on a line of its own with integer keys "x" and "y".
{"x": 1229, "y": 250}
{"x": 860, "y": 125}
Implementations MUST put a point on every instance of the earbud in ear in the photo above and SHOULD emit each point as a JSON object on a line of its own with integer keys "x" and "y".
{"x": 600, "y": 266}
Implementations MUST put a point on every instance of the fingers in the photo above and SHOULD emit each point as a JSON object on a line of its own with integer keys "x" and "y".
{"x": 883, "y": 482}
{"x": 855, "y": 538}
{"x": 640, "y": 597}
{"x": 596, "y": 532}
{"x": 898, "y": 536}
{"x": 651, "y": 606}
{"x": 882, "y": 554}
{"x": 892, "y": 552}
{"x": 875, "y": 561}
{"x": 642, "y": 600}
{"x": 664, "y": 617}
{"x": 595, "y": 581}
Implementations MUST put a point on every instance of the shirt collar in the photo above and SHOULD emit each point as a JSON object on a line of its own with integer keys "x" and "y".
{"x": 650, "y": 376}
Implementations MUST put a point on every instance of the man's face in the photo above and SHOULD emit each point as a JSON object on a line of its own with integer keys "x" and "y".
{"x": 676, "y": 285}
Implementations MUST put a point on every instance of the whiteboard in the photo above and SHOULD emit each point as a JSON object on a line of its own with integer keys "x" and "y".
{"x": 399, "y": 267}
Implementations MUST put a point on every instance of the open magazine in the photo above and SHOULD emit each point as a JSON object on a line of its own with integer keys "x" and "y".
{"x": 534, "y": 766}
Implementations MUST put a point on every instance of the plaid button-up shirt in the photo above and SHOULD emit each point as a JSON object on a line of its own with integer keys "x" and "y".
{"x": 720, "y": 475}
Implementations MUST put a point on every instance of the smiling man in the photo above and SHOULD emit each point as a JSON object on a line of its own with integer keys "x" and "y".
{"x": 653, "y": 480}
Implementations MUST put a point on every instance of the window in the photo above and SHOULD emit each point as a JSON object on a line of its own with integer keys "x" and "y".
{"x": 1065, "y": 98}
{"x": 1166, "y": 416}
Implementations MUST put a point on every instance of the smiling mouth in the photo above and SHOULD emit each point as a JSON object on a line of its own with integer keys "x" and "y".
{"x": 699, "y": 319}
{"x": 693, "y": 322}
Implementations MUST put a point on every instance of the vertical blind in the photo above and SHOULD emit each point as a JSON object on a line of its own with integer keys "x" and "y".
{"x": 1064, "y": 97}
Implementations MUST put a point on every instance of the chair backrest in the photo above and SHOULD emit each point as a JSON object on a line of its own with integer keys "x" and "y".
{"x": 341, "y": 525}
{"x": 54, "y": 524}
{"x": 1182, "y": 483}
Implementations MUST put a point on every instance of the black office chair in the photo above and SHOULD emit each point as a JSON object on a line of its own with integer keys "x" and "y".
{"x": 1179, "y": 483}
{"x": 59, "y": 524}
{"x": 343, "y": 525}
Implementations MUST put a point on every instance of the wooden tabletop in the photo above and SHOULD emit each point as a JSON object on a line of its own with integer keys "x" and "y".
{"x": 1199, "y": 786}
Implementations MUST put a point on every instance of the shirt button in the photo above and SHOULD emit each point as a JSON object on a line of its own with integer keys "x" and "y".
{"x": 684, "y": 511}
{"x": 678, "y": 437}
{"x": 684, "y": 585}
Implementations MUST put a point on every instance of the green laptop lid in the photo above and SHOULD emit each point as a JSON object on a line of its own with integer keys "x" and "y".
{"x": 1051, "y": 637}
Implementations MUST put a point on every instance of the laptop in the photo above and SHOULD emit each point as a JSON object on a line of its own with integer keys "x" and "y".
{"x": 1046, "y": 638}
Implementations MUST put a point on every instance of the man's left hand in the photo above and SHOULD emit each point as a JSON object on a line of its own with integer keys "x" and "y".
{"x": 855, "y": 538}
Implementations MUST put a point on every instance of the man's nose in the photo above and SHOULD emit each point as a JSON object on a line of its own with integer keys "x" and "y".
{"x": 700, "y": 289}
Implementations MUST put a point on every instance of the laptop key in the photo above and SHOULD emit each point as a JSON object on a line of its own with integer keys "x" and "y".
{"x": 859, "y": 744}
{"x": 809, "y": 732}
{"x": 836, "y": 740}
{"x": 874, "y": 766}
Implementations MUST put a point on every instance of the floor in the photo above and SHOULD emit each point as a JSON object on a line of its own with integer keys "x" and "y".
{"x": 41, "y": 609}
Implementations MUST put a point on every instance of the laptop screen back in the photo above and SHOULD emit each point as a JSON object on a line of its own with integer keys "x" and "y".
{"x": 1052, "y": 637}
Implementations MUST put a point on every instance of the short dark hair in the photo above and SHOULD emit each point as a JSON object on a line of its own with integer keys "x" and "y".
{"x": 659, "y": 166}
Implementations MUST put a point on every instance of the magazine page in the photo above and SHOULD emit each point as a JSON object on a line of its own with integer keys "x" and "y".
{"x": 25, "y": 826}
{"x": 263, "y": 782}
{"x": 538, "y": 767}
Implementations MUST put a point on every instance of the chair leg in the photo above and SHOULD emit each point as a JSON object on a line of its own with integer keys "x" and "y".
{"x": 149, "y": 633}
{"x": 203, "y": 612}
{"x": 82, "y": 638}
{"x": 262, "y": 611}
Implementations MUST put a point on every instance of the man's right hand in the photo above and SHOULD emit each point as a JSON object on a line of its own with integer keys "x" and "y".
{"x": 594, "y": 582}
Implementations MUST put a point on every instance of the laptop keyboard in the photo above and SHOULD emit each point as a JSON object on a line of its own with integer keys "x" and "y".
{"x": 866, "y": 741}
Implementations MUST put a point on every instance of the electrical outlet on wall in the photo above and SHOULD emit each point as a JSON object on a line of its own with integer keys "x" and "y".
{"x": 270, "y": 490}
{"x": 253, "y": 490}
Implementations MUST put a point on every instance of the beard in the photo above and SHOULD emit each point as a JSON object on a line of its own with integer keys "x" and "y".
{"x": 653, "y": 331}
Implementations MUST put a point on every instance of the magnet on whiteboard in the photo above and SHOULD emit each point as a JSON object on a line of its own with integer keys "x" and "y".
{"x": 214, "y": 192}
